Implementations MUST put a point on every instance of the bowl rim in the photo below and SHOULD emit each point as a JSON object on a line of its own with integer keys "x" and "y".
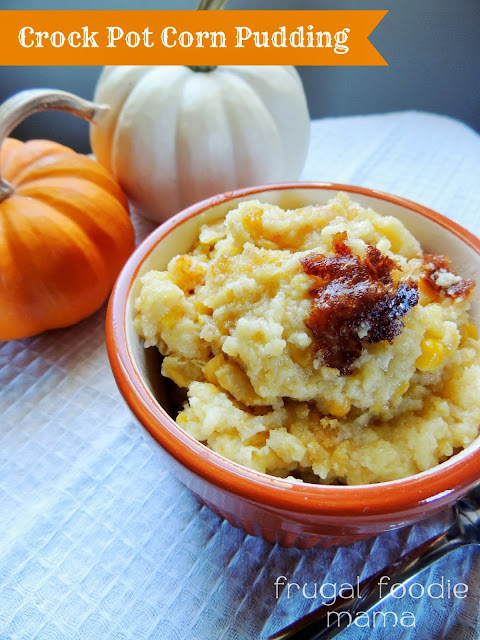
{"x": 444, "y": 482}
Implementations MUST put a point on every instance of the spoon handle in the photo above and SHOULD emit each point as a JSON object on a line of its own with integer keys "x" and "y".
{"x": 334, "y": 616}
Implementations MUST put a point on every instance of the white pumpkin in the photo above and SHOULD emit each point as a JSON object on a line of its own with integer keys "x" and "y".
{"x": 175, "y": 135}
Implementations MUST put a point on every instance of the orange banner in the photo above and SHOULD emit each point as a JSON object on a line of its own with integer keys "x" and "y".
{"x": 189, "y": 37}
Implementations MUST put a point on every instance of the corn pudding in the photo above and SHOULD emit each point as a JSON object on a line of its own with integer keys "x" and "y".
{"x": 319, "y": 344}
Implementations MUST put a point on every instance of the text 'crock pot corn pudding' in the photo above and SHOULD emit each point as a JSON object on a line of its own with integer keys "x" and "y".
{"x": 319, "y": 344}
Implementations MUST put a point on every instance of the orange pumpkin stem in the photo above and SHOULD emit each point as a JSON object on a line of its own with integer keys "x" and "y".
{"x": 25, "y": 103}
{"x": 6, "y": 189}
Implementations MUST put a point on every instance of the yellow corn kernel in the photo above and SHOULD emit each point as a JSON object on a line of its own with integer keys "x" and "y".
{"x": 303, "y": 357}
{"x": 252, "y": 221}
{"x": 469, "y": 331}
{"x": 221, "y": 265}
{"x": 170, "y": 319}
{"x": 182, "y": 418}
{"x": 435, "y": 332}
{"x": 228, "y": 376}
{"x": 202, "y": 310}
{"x": 432, "y": 356}
{"x": 186, "y": 272}
{"x": 339, "y": 408}
{"x": 401, "y": 390}
{"x": 181, "y": 371}
{"x": 258, "y": 440}
{"x": 209, "y": 370}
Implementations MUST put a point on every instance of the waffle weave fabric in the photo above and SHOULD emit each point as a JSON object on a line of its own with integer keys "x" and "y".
{"x": 98, "y": 540}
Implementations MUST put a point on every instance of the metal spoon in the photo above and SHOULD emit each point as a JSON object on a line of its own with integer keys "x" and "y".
{"x": 321, "y": 624}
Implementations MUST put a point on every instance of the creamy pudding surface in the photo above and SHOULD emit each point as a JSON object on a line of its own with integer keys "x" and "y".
{"x": 319, "y": 344}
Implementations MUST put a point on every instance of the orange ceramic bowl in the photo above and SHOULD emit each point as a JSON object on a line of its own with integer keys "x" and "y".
{"x": 292, "y": 514}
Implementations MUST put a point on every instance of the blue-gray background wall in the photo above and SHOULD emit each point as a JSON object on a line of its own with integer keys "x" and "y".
{"x": 432, "y": 47}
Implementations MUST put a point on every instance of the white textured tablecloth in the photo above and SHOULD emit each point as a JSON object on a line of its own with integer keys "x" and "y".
{"x": 99, "y": 542}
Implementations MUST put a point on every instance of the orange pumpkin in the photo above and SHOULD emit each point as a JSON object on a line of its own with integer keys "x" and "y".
{"x": 64, "y": 235}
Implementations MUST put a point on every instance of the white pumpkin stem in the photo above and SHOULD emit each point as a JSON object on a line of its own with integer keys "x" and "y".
{"x": 211, "y": 4}
{"x": 202, "y": 5}
{"x": 25, "y": 103}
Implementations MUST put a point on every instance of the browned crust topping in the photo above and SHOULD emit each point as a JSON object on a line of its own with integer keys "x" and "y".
{"x": 436, "y": 266}
{"x": 354, "y": 302}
